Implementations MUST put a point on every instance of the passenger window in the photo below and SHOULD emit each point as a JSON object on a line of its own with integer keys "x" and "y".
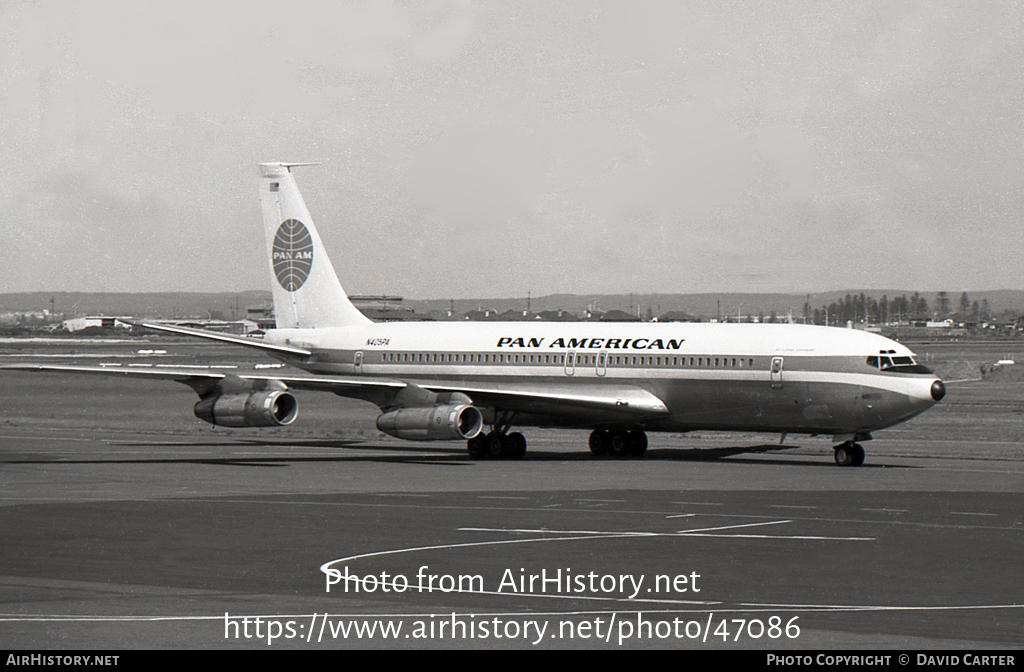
{"x": 873, "y": 361}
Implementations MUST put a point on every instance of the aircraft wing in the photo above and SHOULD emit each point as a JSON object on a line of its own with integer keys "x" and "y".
{"x": 625, "y": 402}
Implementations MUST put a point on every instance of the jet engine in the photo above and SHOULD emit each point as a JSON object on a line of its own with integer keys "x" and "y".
{"x": 432, "y": 423}
{"x": 257, "y": 409}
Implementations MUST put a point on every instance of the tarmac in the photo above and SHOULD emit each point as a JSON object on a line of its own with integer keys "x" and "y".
{"x": 127, "y": 523}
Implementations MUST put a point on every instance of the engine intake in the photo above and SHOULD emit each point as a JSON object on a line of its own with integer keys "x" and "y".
{"x": 434, "y": 423}
{"x": 258, "y": 409}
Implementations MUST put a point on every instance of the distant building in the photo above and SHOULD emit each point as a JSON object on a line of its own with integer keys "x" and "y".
{"x": 95, "y": 323}
{"x": 618, "y": 316}
{"x": 557, "y": 316}
{"x": 676, "y": 316}
{"x": 385, "y": 308}
{"x": 262, "y": 317}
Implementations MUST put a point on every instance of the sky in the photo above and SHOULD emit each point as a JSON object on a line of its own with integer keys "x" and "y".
{"x": 488, "y": 149}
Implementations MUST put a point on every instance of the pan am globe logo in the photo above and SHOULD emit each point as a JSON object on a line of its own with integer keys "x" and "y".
{"x": 292, "y": 254}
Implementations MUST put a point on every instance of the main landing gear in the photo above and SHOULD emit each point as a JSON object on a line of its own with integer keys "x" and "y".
{"x": 618, "y": 443}
{"x": 849, "y": 454}
{"x": 498, "y": 444}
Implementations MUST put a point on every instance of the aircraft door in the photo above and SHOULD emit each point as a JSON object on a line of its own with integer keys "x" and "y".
{"x": 776, "y": 372}
{"x": 570, "y": 362}
{"x": 602, "y": 363}
{"x": 357, "y": 361}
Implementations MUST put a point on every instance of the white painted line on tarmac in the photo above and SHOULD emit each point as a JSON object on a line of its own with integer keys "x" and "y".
{"x": 971, "y": 513}
{"x": 876, "y": 607}
{"x": 799, "y": 537}
{"x": 733, "y": 527}
{"x": 752, "y": 607}
{"x": 544, "y": 531}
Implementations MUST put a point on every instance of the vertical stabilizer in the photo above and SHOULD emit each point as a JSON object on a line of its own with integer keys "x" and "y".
{"x": 307, "y": 294}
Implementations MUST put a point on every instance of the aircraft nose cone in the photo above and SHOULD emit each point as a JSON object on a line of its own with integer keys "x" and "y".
{"x": 938, "y": 390}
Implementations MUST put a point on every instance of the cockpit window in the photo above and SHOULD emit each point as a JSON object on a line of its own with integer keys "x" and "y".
{"x": 901, "y": 364}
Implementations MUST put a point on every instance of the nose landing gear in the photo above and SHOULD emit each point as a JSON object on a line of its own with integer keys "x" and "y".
{"x": 849, "y": 454}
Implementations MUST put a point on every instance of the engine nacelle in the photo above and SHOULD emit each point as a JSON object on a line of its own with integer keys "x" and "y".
{"x": 432, "y": 423}
{"x": 258, "y": 409}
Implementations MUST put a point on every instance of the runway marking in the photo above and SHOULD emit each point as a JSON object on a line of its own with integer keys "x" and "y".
{"x": 400, "y": 494}
{"x": 496, "y": 497}
{"x": 48, "y": 438}
{"x": 874, "y": 607}
{"x": 544, "y": 531}
{"x": 733, "y": 527}
{"x": 611, "y": 501}
{"x": 449, "y": 507}
{"x": 971, "y": 513}
{"x": 888, "y": 510}
{"x": 681, "y": 515}
{"x": 700, "y": 532}
{"x": 790, "y": 506}
{"x": 740, "y": 608}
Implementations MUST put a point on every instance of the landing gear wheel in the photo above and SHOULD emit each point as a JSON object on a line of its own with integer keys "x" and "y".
{"x": 517, "y": 446}
{"x": 856, "y": 455}
{"x": 636, "y": 443}
{"x": 477, "y": 447}
{"x": 846, "y": 454}
{"x": 600, "y": 442}
{"x": 497, "y": 445}
{"x": 619, "y": 443}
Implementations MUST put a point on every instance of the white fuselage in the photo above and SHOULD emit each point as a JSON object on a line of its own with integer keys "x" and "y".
{"x": 760, "y": 377}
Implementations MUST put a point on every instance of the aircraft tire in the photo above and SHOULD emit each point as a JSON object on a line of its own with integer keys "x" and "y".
{"x": 599, "y": 442}
{"x": 619, "y": 443}
{"x": 477, "y": 447}
{"x": 497, "y": 446}
{"x": 517, "y": 446}
{"x": 637, "y": 443}
{"x": 856, "y": 455}
{"x": 844, "y": 455}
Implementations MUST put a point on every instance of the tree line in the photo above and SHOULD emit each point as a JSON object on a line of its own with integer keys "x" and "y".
{"x": 859, "y": 308}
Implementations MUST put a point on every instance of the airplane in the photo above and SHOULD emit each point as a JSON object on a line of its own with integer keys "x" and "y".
{"x": 476, "y": 381}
